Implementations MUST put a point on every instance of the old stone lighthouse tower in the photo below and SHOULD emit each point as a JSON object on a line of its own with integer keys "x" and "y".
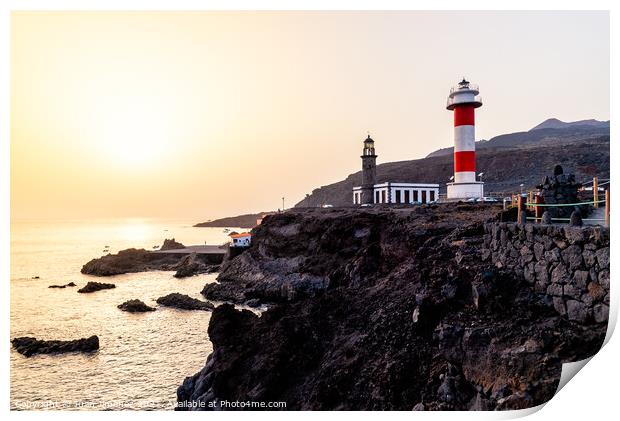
{"x": 369, "y": 171}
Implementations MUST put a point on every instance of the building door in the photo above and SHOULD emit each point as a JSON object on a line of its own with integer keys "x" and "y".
{"x": 432, "y": 193}
{"x": 423, "y": 196}
{"x": 377, "y": 196}
{"x": 407, "y": 196}
{"x": 383, "y": 196}
{"x": 398, "y": 196}
{"x": 415, "y": 196}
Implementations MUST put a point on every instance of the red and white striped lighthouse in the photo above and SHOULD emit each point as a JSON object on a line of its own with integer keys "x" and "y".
{"x": 463, "y": 100}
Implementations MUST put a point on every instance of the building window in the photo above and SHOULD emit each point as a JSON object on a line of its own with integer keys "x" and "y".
{"x": 423, "y": 196}
{"x": 383, "y": 196}
{"x": 398, "y": 196}
{"x": 432, "y": 193}
{"x": 415, "y": 196}
{"x": 407, "y": 196}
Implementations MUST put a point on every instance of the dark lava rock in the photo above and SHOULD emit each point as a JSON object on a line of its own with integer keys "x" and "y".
{"x": 95, "y": 286}
{"x": 128, "y": 261}
{"x": 170, "y": 244}
{"x": 184, "y": 302}
{"x": 29, "y": 346}
{"x": 384, "y": 320}
{"x": 140, "y": 260}
{"x": 575, "y": 219}
{"x": 135, "y": 306}
{"x": 224, "y": 291}
{"x": 70, "y": 284}
{"x": 254, "y": 303}
{"x": 191, "y": 265}
{"x": 546, "y": 218}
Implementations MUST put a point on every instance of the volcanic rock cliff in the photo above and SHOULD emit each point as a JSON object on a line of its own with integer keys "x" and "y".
{"x": 383, "y": 309}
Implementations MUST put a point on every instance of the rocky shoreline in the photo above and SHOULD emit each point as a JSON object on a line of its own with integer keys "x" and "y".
{"x": 140, "y": 260}
{"x": 384, "y": 309}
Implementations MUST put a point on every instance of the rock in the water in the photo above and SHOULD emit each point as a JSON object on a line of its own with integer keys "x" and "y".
{"x": 171, "y": 244}
{"x": 184, "y": 302}
{"x": 135, "y": 306}
{"x": 29, "y": 346}
{"x": 95, "y": 286}
{"x": 70, "y": 284}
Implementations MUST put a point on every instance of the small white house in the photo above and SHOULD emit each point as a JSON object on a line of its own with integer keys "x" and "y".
{"x": 241, "y": 240}
{"x": 400, "y": 193}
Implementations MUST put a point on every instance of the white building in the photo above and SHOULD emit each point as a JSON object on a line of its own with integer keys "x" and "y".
{"x": 391, "y": 192}
{"x": 241, "y": 240}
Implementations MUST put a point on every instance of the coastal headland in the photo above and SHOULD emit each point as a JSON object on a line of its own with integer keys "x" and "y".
{"x": 390, "y": 308}
{"x": 186, "y": 261}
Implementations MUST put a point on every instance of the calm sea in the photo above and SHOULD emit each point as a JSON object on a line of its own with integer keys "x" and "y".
{"x": 142, "y": 357}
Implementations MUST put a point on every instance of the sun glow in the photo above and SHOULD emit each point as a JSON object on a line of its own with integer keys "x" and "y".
{"x": 133, "y": 131}
{"x": 218, "y": 113}
{"x": 134, "y": 231}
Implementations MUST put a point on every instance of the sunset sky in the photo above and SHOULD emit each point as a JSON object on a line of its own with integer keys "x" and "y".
{"x": 205, "y": 114}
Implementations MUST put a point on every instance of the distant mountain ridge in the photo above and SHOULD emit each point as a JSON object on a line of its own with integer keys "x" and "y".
{"x": 507, "y": 161}
{"x": 554, "y": 123}
{"x": 549, "y": 130}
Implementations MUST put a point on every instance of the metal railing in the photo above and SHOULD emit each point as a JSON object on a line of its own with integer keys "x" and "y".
{"x": 468, "y": 87}
{"x": 451, "y": 101}
{"x": 523, "y": 204}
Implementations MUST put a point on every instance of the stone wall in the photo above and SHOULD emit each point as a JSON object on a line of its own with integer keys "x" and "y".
{"x": 570, "y": 265}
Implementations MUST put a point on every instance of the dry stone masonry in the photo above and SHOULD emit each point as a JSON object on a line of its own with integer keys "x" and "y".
{"x": 570, "y": 265}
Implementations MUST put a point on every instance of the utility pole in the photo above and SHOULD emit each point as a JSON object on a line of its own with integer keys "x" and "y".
{"x": 282, "y": 203}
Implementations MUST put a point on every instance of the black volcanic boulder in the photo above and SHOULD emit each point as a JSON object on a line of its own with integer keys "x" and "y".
{"x": 171, "y": 244}
{"x": 70, "y": 284}
{"x": 29, "y": 346}
{"x": 135, "y": 306}
{"x": 96, "y": 286}
{"x": 191, "y": 265}
{"x": 184, "y": 302}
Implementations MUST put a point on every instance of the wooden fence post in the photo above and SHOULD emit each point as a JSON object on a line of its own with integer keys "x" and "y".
{"x": 606, "y": 208}
{"x": 538, "y": 210}
{"x": 595, "y": 192}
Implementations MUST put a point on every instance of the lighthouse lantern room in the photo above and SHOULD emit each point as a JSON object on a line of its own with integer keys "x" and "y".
{"x": 463, "y": 100}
